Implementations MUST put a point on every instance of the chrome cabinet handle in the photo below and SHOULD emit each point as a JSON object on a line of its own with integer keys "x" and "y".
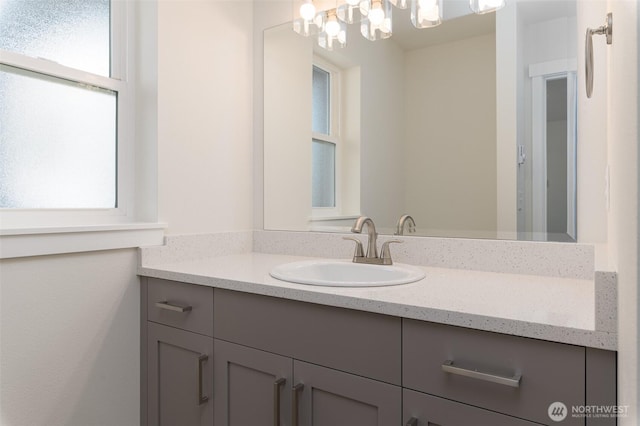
{"x": 201, "y": 398}
{"x": 412, "y": 422}
{"x": 276, "y": 400}
{"x": 294, "y": 403}
{"x": 173, "y": 307}
{"x": 514, "y": 381}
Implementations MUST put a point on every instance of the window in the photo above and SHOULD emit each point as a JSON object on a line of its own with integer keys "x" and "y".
{"x": 65, "y": 112}
{"x": 325, "y": 152}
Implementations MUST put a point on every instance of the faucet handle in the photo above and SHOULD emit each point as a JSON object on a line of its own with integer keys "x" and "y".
{"x": 359, "y": 250}
{"x": 385, "y": 253}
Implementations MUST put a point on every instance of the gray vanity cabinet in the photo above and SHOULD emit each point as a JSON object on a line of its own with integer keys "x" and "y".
{"x": 218, "y": 357}
{"x": 180, "y": 377}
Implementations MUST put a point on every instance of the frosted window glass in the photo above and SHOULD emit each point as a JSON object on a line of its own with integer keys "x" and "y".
{"x": 320, "y": 107}
{"x": 75, "y": 33}
{"x": 57, "y": 143}
{"x": 323, "y": 172}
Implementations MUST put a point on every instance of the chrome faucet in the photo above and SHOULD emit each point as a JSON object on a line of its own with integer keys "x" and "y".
{"x": 404, "y": 220}
{"x": 372, "y": 250}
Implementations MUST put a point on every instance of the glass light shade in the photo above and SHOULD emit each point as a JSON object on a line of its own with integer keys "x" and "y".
{"x": 334, "y": 31}
{"x": 307, "y": 11}
{"x": 426, "y": 13}
{"x": 485, "y": 6}
{"x": 305, "y": 20}
{"x": 349, "y": 12}
{"x": 376, "y": 22}
{"x": 400, "y": 4}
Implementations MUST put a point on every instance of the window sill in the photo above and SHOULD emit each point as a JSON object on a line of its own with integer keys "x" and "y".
{"x": 73, "y": 239}
{"x": 335, "y": 217}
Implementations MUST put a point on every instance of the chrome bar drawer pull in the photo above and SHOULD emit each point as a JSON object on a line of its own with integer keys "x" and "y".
{"x": 276, "y": 400}
{"x": 514, "y": 381}
{"x": 173, "y": 307}
{"x": 201, "y": 398}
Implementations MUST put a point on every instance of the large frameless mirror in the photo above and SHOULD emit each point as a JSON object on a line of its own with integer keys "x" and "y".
{"x": 469, "y": 127}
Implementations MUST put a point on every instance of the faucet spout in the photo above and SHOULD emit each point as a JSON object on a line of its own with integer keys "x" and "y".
{"x": 372, "y": 249}
{"x": 405, "y": 219}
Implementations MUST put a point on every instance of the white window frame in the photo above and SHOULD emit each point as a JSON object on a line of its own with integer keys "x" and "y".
{"x": 119, "y": 82}
{"x": 37, "y": 232}
{"x": 334, "y": 136}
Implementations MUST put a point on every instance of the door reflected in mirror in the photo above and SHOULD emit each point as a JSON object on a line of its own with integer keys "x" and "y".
{"x": 415, "y": 124}
{"x": 554, "y": 161}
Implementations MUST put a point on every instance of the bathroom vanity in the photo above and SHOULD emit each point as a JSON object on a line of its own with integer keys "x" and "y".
{"x": 226, "y": 344}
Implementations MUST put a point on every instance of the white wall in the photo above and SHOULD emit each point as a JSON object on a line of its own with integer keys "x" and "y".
{"x": 70, "y": 339}
{"x": 351, "y": 130}
{"x": 592, "y": 130}
{"x": 287, "y": 129}
{"x": 623, "y": 105}
{"x": 205, "y": 72}
{"x": 145, "y": 55}
{"x": 266, "y": 14}
{"x": 507, "y": 40}
{"x": 451, "y": 144}
{"x": 382, "y": 151}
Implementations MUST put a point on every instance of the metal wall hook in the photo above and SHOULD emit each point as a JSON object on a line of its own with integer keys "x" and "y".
{"x": 607, "y": 30}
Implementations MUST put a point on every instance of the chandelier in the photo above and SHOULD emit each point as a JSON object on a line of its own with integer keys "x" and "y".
{"x": 329, "y": 21}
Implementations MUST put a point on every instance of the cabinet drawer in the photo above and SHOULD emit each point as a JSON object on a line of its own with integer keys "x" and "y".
{"x": 420, "y": 409}
{"x": 483, "y": 367}
{"x": 185, "y": 306}
{"x": 359, "y": 342}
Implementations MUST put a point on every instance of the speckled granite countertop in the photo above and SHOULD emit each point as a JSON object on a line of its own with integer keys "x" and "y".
{"x": 551, "y": 308}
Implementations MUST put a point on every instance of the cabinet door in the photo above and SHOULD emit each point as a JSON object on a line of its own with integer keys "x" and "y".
{"x": 179, "y": 377}
{"x": 331, "y": 398}
{"x": 420, "y": 409}
{"x": 252, "y": 387}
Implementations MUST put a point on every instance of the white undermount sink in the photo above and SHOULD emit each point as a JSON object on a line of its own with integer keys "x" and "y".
{"x": 342, "y": 273}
